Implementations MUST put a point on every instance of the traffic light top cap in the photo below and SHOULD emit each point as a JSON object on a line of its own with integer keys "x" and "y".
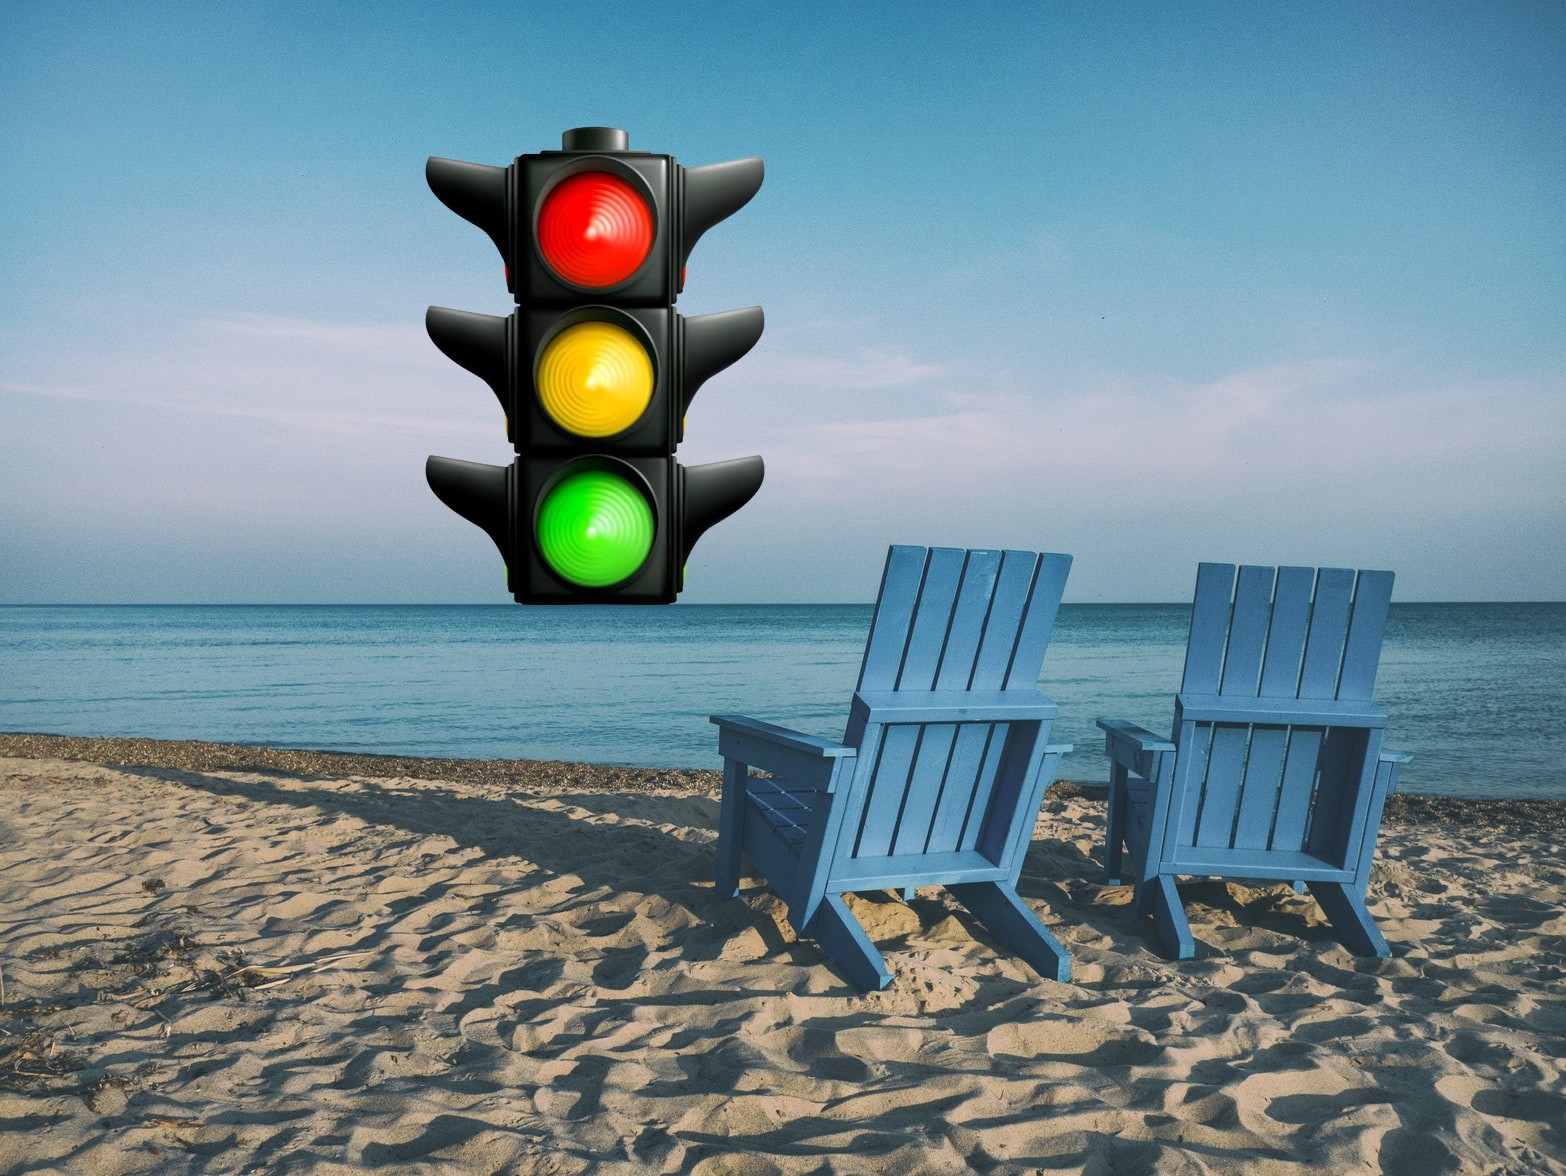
{"x": 595, "y": 139}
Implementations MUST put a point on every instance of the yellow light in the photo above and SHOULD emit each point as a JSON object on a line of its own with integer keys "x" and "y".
{"x": 594, "y": 379}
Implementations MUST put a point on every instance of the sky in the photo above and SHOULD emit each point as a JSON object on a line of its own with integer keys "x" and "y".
{"x": 1146, "y": 283}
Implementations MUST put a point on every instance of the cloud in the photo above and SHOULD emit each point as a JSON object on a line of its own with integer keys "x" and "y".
{"x": 361, "y": 379}
{"x": 381, "y": 338}
{"x": 862, "y": 369}
{"x": 1328, "y": 429}
{"x": 1455, "y": 485}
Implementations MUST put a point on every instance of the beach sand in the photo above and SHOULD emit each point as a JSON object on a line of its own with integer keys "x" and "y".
{"x": 232, "y": 960}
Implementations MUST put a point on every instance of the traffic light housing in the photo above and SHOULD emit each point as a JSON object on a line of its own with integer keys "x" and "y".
{"x": 623, "y": 374}
{"x": 595, "y": 370}
{"x": 594, "y": 218}
{"x": 526, "y": 508}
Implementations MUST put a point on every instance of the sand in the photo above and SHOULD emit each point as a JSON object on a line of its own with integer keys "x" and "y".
{"x": 228, "y": 960}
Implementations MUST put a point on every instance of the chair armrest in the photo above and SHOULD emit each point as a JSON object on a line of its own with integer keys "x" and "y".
{"x": 1144, "y": 739}
{"x": 1133, "y": 747}
{"x": 1295, "y": 712}
{"x": 1392, "y": 763}
{"x": 781, "y": 751}
{"x": 953, "y": 706}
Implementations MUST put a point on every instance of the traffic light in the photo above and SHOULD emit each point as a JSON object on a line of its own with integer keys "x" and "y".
{"x": 595, "y": 369}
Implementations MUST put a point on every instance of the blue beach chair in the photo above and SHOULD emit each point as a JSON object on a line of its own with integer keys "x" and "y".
{"x": 939, "y": 776}
{"x": 1275, "y": 767}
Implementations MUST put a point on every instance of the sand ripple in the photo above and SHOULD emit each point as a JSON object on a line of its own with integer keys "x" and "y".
{"x": 234, "y": 970}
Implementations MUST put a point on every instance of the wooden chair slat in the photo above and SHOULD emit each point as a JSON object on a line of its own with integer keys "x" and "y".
{"x": 1247, "y": 632}
{"x": 1038, "y": 623}
{"x": 1286, "y": 633}
{"x": 1367, "y": 626}
{"x": 1329, "y": 617}
{"x": 1259, "y": 793}
{"x": 975, "y": 599}
{"x": 932, "y": 766}
{"x": 1009, "y": 602}
{"x": 1220, "y": 799}
{"x": 1209, "y": 628}
{"x": 894, "y": 615}
{"x": 932, "y": 619}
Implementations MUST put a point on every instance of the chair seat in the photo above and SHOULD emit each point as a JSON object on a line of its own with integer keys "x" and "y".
{"x": 1192, "y": 862}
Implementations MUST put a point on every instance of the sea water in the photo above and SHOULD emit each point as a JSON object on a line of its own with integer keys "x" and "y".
{"x": 1475, "y": 692}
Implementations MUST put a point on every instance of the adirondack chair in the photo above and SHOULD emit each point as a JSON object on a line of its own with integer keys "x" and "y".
{"x": 939, "y": 775}
{"x": 1275, "y": 768}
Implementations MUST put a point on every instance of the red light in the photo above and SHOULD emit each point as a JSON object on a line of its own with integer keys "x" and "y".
{"x": 594, "y": 230}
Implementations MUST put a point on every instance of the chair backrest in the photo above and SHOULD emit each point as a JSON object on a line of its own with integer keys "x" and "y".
{"x": 1282, "y": 633}
{"x": 1275, "y": 723}
{"x": 950, "y": 621}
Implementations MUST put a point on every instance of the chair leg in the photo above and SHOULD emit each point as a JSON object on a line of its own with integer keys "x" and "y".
{"x": 1143, "y": 891}
{"x": 1346, "y": 909}
{"x": 846, "y": 944}
{"x": 1115, "y": 827}
{"x": 1169, "y": 913}
{"x": 731, "y": 828}
{"x": 1015, "y": 927}
{"x": 908, "y": 892}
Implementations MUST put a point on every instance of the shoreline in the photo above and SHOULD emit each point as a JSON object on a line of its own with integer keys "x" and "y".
{"x": 1509, "y": 813}
{"x": 195, "y": 755}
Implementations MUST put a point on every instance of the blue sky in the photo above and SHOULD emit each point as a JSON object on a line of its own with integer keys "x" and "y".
{"x": 1145, "y": 283}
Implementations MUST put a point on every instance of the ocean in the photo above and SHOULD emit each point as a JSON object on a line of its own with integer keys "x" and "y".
{"x": 1475, "y": 692}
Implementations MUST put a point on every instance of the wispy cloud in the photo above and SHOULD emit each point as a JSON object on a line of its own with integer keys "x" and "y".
{"x": 383, "y": 338}
{"x": 1325, "y": 427}
{"x": 860, "y": 369}
{"x": 313, "y": 377}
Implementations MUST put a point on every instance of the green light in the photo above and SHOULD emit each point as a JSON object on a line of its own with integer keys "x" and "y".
{"x": 594, "y": 529}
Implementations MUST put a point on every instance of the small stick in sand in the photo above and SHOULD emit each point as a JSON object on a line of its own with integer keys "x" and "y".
{"x": 172, "y": 1122}
{"x": 281, "y": 974}
{"x": 168, "y": 1025}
